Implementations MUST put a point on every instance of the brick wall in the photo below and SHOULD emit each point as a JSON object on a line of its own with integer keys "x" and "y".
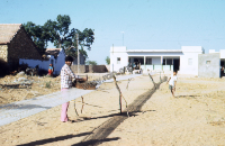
{"x": 4, "y": 52}
{"x": 90, "y": 68}
{"x": 21, "y": 46}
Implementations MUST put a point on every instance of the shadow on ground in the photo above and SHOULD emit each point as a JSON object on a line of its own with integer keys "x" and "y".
{"x": 101, "y": 133}
{"x": 55, "y": 139}
{"x": 93, "y": 142}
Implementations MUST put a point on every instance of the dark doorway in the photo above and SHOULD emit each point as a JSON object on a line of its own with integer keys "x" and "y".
{"x": 222, "y": 66}
{"x": 176, "y": 64}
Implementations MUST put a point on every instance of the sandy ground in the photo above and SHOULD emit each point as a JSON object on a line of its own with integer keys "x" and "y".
{"x": 195, "y": 117}
{"x": 38, "y": 87}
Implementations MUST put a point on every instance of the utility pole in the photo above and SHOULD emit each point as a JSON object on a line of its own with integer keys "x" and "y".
{"x": 78, "y": 53}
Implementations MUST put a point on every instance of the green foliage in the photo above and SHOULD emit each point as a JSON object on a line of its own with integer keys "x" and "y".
{"x": 36, "y": 34}
{"x": 107, "y": 60}
{"x": 58, "y": 32}
{"x": 91, "y": 62}
{"x": 73, "y": 52}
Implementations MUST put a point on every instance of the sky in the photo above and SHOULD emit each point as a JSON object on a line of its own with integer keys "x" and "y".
{"x": 136, "y": 24}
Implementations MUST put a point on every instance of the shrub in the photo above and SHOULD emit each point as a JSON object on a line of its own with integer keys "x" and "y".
{"x": 48, "y": 85}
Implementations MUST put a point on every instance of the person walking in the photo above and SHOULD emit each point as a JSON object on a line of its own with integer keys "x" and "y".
{"x": 67, "y": 78}
{"x": 172, "y": 83}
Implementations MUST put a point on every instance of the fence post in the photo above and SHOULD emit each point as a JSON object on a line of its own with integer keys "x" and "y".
{"x": 120, "y": 94}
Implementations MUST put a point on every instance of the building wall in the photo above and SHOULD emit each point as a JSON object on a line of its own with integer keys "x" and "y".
{"x": 90, "y": 68}
{"x": 189, "y": 59}
{"x": 222, "y": 54}
{"x": 156, "y": 60}
{"x": 44, "y": 64}
{"x": 116, "y": 52}
{"x": 21, "y": 46}
{"x": 155, "y": 54}
{"x": 211, "y": 69}
{"x": 4, "y": 52}
{"x": 188, "y": 66}
{"x": 82, "y": 60}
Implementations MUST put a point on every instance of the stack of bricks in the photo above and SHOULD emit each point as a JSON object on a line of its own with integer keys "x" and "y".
{"x": 4, "y": 52}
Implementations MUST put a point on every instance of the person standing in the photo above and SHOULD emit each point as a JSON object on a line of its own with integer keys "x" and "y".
{"x": 50, "y": 69}
{"x": 134, "y": 65}
{"x": 172, "y": 83}
{"x": 67, "y": 78}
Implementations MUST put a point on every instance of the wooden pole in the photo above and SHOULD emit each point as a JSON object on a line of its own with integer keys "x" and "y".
{"x": 120, "y": 94}
{"x": 152, "y": 80}
{"x": 78, "y": 53}
{"x": 82, "y": 104}
{"x": 75, "y": 109}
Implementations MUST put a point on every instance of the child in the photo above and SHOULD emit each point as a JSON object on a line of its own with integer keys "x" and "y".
{"x": 172, "y": 82}
{"x": 50, "y": 70}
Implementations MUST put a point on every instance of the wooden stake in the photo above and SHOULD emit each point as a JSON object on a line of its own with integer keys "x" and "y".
{"x": 152, "y": 80}
{"x": 82, "y": 103}
{"x": 120, "y": 94}
{"x": 75, "y": 109}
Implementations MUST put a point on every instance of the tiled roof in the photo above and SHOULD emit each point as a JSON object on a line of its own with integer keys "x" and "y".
{"x": 7, "y": 32}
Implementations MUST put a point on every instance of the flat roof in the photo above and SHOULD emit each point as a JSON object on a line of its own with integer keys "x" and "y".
{"x": 132, "y": 51}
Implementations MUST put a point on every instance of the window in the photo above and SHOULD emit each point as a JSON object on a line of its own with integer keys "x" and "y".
{"x": 208, "y": 62}
{"x": 149, "y": 61}
{"x": 169, "y": 62}
{"x": 189, "y": 61}
{"x": 118, "y": 60}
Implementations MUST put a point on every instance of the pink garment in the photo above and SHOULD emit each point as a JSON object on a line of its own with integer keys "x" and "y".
{"x": 65, "y": 106}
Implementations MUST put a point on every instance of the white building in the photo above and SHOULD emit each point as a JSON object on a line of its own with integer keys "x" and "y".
{"x": 184, "y": 60}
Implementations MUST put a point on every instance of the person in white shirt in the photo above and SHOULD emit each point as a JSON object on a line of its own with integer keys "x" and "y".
{"x": 172, "y": 83}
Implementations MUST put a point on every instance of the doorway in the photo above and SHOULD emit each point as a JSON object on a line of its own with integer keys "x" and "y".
{"x": 176, "y": 64}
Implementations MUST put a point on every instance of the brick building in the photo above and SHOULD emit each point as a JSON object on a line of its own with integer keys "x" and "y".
{"x": 15, "y": 44}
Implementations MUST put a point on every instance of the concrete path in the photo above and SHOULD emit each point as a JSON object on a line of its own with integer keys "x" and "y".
{"x": 18, "y": 110}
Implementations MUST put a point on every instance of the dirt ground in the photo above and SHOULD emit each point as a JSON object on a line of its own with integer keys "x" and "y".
{"x": 40, "y": 86}
{"x": 195, "y": 117}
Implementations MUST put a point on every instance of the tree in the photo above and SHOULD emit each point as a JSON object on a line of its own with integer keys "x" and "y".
{"x": 107, "y": 60}
{"x": 58, "y": 32}
{"x": 36, "y": 34}
{"x": 91, "y": 62}
{"x": 86, "y": 38}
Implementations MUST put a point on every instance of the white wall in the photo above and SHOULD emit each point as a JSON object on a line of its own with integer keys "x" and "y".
{"x": 57, "y": 63}
{"x": 116, "y": 52}
{"x": 190, "y": 52}
{"x": 156, "y": 54}
{"x": 222, "y": 54}
{"x": 185, "y": 68}
{"x": 156, "y": 60}
{"x": 212, "y": 51}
